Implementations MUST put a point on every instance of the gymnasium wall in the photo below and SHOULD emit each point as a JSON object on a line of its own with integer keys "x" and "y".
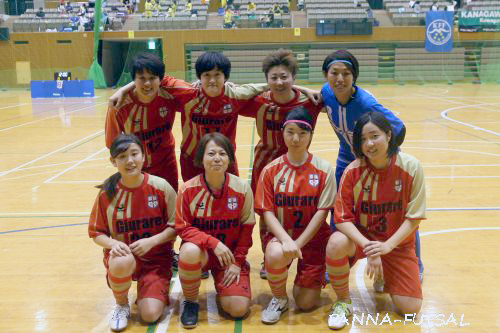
{"x": 73, "y": 51}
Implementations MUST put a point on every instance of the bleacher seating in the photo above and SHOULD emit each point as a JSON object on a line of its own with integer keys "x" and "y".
{"x": 254, "y": 19}
{"x": 182, "y": 19}
{"x": 416, "y": 64}
{"x": 490, "y": 64}
{"x": 318, "y": 10}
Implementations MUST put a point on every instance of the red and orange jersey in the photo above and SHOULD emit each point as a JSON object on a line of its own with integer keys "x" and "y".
{"x": 202, "y": 114}
{"x": 379, "y": 201}
{"x": 269, "y": 116}
{"x": 294, "y": 194}
{"x": 135, "y": 213}
{"x": 204, "y": 218}
{"x": 151, "y": 123}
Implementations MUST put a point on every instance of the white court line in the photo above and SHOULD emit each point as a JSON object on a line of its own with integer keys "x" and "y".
{"x": 74, "y": 165}
{"x": 13, "y": 106}
{"x": 169, "y": 310}
{"x": 46, "y": 118}
{"x": 360, "y": 272}
{"x": 458, "y": 165}
{"x": 444, "y": 114}
{"x": 57, "y": 164}
{"x": 4, "y": 173}
{"x": 76, "y": 181}
{"x": 452, "y": 177}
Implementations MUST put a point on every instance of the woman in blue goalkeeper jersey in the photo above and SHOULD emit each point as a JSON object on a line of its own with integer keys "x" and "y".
{"x": 346, "y": 103}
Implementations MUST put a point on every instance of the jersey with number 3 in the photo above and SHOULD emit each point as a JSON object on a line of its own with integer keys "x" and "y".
{"x": 379, "y": 201}
{"x": 294, "y": 194}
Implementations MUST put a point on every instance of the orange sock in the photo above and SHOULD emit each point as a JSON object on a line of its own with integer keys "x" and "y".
{"x": 120, "y": 287}
{"x": 190, "y": 277}
{"x": 338, "y": 271}
{"x": 277, "y": 280}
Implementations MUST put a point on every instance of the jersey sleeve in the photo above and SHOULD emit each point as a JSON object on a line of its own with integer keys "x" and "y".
{"x": 416, "y": 207}
{"x": 344, "y": 203}
{"x": 170, "y": 200}
{"x": 265, "y": 193}
{"x": 246, "y": 91}
{"x": 98, "y": 224}
{"x": 251, "y": 107}
{"x": 112, "y": 127}
{"x": 327, "y": 198}
{"x": 183, "y": 225}
{"x": 172, "y": 82}
{"x": 247, "y": 220}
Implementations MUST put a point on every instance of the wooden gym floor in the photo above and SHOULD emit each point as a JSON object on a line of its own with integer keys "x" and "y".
{"x": 52, "y": 154}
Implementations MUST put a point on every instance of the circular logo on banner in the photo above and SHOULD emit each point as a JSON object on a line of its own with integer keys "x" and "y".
{"x": 439, "y": 32}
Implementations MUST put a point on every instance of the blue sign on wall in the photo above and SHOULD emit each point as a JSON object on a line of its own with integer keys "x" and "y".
{"x": 75, "y": 88}
{"x": 439, "y": 31}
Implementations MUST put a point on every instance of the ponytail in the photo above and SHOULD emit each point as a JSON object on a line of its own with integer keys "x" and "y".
{"x": 109, "y": 185}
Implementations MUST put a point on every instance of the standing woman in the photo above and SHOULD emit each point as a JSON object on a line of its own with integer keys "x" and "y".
{"x": 379, "y": 206}
{"x": 294, "y": 194}
{"x": 215, "y": 219}
{"x": 149, "y": 113}
{"x": 346, "y": 103}
{"x": 133, "y": 220}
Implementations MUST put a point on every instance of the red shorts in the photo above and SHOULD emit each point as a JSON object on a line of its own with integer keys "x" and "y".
{"x": 311, "y": 268}
{"x": 241, "y": 289}
{"x": 189, "y": 170}
{"x": 167, "y": 170}
{"x": 401, "y": 273}
{"x": 153, "y": 278}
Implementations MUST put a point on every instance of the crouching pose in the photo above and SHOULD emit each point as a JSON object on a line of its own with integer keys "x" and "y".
{"x": 133, "y": 220}
{"x": 380, "y": 203}
{"x": 215, "y": 219}
{"x": 294, "y": 194}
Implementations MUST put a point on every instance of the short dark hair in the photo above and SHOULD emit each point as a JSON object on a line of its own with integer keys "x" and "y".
{"x": 210, "y": 60}
{"x": 147, "y": 61}
{"x": 220, "y": 140}
{"x": 120, "y": 144}
{"x": 299, "y": 113}
{"x": 379, "y": 120}
{"x": 281, "y": 57}
{"x": 342, "y": 55}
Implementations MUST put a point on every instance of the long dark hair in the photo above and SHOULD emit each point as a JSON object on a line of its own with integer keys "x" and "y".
{"x": 220, "y": 140}
{"x": 379, "y": 120}
{"x": 120, "y": 144}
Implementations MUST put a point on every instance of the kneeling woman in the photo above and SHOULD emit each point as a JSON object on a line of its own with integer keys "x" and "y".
{"x": 294, "y": 194}
{"x": 214, "y": 219}
{"x": 135, "y": 249}
{"x": 379, "y": 206}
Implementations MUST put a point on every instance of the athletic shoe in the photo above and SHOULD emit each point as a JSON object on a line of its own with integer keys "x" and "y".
{"x": 338, "y": 315}
{"x": 327, "y": 277}
{"x": 175, "y": 262}
{"x": 421, "y": 275}
{"x": 119, "y": 317}
{"x": 274, "y": 310}
{"x": 263, "y": 274}
{"x": 378, "y": 285}
{"x": 189, "y": 317}
{"x": 204, "y": 275}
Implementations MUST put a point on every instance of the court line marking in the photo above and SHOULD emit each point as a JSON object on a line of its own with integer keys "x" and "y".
{"x": 94, "y": 135}
{"x": 47, "y": 181}
{"x": 13, "y": 106}
{"x": 47, "y": 118}
{"x": 444, "y": 114}
{"x": 360, "y": 272}
{"x": 162, "y": 326}
{"x": 46, "y": 227}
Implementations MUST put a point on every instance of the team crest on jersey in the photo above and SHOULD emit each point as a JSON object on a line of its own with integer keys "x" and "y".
{"x": 121, "y": 207}
{"x": 313, "y": 180}
{"x": 232, "y": 203}
{"x": 228, "y": 108}
{"x": 198, "y": 109}
{"x": 398, "y": 185}
{"x": 163, "y": 112}
{"x": 152, "y": 201}
{"x": 282, "y": 181}
{"x": 366, "y": 189}
{"x": 137, "y": 122}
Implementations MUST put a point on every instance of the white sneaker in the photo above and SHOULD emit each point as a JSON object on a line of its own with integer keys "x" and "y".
{"x": 338, "y": 315}
{"x": 378, "y": 285}
{"x": 274, "y": 310}
{"x": 119, "y": 317}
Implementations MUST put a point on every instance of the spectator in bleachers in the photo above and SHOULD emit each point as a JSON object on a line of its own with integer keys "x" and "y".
{"x": 223, "y": 4}
{"x": 417, "y": 7}
{"x": 435, "y": 6}
{"x": 228, "y": 19}
{"x": 451, "y": 6}
{"x": 251, "y": 6}
{"x": 170, "y": 11}
{"x": 40, "y": 13}
{"x": 285, "y": 9}
{"x": 300, "y": 4}
{"x": 148, "y": 8}
{"x": 189, "y": 6}
{"x": 156, "y": 8}
{"x": 369, "y": 13}
{"x": 412, "y": 3}
{"x": 174, "y": 7}
{"x": 69, "y": 7}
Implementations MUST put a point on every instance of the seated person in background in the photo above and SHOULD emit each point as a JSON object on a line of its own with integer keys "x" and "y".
{"x": 40, "y": 13}
{"x": 434, "y": 6}
{"x": 300, "y": 4}
{"x": 228, "y": 19}
{"x": 188, "y": 7}
{"x": 251, "y": 6}
{"x": 69, "y": 7}
{"x": 148, "y": 8}
{"x": 174, "y": 7}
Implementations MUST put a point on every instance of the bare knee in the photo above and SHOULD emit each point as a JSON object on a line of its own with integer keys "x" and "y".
{"x": 122, "y": 266}
{"x": 407, "y": 305}
{"x": 150, "y": 309}
{"x": 274, "y": 256}
{"x": 306, "y": 298}
{"x": 150, "y": 315}
{"x": 236, "y": 307}
{"x": 338, "y": 245}
{"x": 305, "y": 304}
{"x": 190, "y": 253}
